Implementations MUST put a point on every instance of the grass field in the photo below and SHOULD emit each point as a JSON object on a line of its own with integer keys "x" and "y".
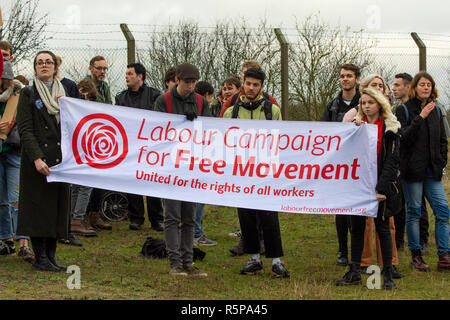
{"x": 111, "y": 267}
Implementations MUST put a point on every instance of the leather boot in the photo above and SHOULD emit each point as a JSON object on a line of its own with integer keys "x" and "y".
{"x": 418, "y": 263}
{"x": 444, "y": 262}
{"x": 352, "y": 277}
{"x": 96, "y": 221}
{"x": 387, "y": 278}
{"x": 50, "y": 249}
{"x": 41, "y": 261}
{"x": 238, "y": 250}
{"x": 79, "y": 227}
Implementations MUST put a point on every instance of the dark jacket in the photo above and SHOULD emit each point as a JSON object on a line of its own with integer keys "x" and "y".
{"x": 423, "y": 143}
{"x": 103, "y": 92}
{"x": 337, "y": 108}
{"x": 72, "y": 88}
{"x": 388, "y": 169}
{"x": 43, "y": 207}
{"x": 182, "y": 105}
{"x": 144, "y": 98}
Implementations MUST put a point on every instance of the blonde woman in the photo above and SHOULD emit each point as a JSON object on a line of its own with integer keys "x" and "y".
{"x": 375, "y": 109}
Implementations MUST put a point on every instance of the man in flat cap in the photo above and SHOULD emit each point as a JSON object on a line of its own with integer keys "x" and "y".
{"x": 182, "y": 99}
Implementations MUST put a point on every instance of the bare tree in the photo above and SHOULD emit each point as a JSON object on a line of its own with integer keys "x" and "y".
{"x": 315, "y": 61}
{"x": 218, "y": 52}
{"x": 24, "y": 28}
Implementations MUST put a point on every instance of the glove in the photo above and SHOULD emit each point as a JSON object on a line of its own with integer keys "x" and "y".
{"x": 191, "y": 116}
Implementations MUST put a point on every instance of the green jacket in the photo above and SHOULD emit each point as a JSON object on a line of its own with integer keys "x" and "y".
{"x": 103, "y": 98}
{"x": 255, "y": 114}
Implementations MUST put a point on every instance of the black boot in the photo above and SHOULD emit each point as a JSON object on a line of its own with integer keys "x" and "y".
{"x": 352, "y": 277}
{"x": 50, "y": 249}
{"x": 387, "y": 278}
{"x": 41, "y": 260}
{"x": 342, "y": 259}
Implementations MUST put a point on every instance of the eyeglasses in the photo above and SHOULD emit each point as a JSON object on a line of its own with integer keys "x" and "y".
{"x": 40, "y": 63}
{"x": 101, "y": 68}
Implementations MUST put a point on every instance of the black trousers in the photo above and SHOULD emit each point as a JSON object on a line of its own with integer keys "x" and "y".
{"x": 343, "y": 227}
{"x": 136, "y": 209}
{"x": 95, "y": 201}
{"x": 357, "y": 239}
{"x": 270, "y": 226}
{"x": 400, "y": 224}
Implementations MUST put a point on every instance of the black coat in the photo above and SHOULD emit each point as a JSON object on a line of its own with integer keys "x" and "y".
{"x": 423, "y": 143}
{"x": 337, "y": 108}
{"x": 387, "y": 172}
{"x": 144, "y": 98}
{"x": 43, "y": 207}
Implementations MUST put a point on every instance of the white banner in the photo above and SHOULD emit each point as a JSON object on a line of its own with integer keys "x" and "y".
{"x": 288, "y": 166}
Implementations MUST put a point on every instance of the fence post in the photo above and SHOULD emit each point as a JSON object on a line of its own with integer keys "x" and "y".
{"x": 284, "y": 45}
{"x": 131, "y": 44}
{"x": 422, "y": 51}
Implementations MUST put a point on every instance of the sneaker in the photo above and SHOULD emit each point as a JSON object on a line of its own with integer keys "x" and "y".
{"x": 396, "y": 274}
{"x": 253, "y": 267}
{"x": 7, "y": 247}
{"x": 26, "y": 253}
{"x": 279, "y": 271}
{"x": 203, "y": 241}
{"x": 235, "y": 234}
{"x": 135, "y": 226}
{"x": 194, "y": 271}
{"x": 342, "y": 259}
{"x": 178, "y": 271}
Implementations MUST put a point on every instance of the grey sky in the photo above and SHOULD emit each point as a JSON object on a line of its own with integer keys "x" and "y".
{"x": 373, "y": 15}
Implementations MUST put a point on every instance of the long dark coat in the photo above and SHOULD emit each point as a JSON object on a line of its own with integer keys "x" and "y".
{"x": 43, "y": 207}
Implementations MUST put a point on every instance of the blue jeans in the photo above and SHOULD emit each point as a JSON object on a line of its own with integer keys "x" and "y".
{"x": 199, "y": 220}
{"x": 435, "y": 194}
{"x": 9, "y": 193}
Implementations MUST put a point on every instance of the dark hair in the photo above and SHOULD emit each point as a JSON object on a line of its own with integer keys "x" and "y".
{"x": 415, "y": 81}
{"x": 5, "y": 45}
{"x": 256, "y": 74}
{"x": 139, "y": 69}
{"x": 351, "y": 67}
{"x": 87, "y": 86}
{"x": 53, "y": 58}
{"x": 407, "y": 78}
{"x": 169, "y": 76}
{"x": 232, "y": 80}
{"x": 203, "y": 87}
{"x": 96, "y": 58}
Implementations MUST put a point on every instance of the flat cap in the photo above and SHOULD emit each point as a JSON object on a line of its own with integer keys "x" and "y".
{"x": 186, "y": 71}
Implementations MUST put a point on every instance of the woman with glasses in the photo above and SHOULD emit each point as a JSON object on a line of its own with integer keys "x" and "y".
{"x": 43, "y": 206}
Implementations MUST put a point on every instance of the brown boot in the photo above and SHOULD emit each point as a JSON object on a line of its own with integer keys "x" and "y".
{"x": 444, "y": 262}
{"x": 79, "y": 227}
{"x": 95, "y": 219}
{"x": 418, "y": 263}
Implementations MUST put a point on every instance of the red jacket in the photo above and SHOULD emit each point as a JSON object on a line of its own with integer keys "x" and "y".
{"x": 227, "y": 103}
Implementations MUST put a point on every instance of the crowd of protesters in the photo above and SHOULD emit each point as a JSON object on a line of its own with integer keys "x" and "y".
{"x": 411, "y": 158}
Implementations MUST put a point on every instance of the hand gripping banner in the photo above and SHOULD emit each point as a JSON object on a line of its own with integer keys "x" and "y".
{"x": 287, "y": 166}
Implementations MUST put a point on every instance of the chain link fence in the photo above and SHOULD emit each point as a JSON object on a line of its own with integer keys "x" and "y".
{"x": 392, "y": 53}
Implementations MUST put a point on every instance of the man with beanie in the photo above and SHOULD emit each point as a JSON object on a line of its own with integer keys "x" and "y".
{"x": 182, "y": 99}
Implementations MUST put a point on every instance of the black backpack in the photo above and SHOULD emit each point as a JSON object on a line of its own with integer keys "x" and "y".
{"x": 267, "y": 106}
{"x": 156, "y": 248}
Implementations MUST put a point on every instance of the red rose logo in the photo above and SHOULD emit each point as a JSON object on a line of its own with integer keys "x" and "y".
{"x": 99, "y": 141}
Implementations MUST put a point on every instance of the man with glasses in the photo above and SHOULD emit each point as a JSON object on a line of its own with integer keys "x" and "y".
{"x": 98, "y": 69}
